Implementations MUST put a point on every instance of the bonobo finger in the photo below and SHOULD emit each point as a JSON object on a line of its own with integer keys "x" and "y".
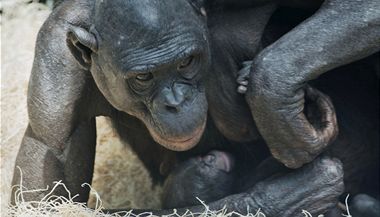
{"x": 242, "y": 79}
{"x": 243, "y": 76}
{"x": 243, "y": 73}
{"x": 314, "y": 187}
{"x": 315, "y": 129}
{"x": 327, "y": 127}
{"x": 292, "y": 157}
{"x": 247, "y": 63}
{"x": 242, "y": 89}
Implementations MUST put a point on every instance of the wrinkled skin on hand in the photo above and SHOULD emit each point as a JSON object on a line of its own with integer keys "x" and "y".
{"x": 278, "y": 75}
{"x": 314, "y": 187}
{"x": 319, "y": 122}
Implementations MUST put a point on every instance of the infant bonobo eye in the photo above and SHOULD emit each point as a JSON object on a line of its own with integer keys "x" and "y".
{"x": 219, "y": 160}
{"x": 186, "y": 62}
{"x": 209, "y": 159}
{"x": 144, "y": 77}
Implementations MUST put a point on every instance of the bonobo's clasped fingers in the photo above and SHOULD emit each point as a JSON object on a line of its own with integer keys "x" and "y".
{"x": 297, "y": 128}
{"x": 318, "y": 119}
{"x": 326, "y": 126}
{"x": 243, "y": 76}
{"x": 315, "y": 188}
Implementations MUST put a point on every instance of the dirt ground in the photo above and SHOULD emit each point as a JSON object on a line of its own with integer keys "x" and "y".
{"x": 119, "y": 177}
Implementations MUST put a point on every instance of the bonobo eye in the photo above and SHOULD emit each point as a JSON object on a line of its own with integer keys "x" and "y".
{"x": 185, "y": 63}
{"x": 209, "y": 159}
{"x": 144, "y": 77}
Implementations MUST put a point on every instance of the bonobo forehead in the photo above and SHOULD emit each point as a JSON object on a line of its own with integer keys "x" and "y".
{"x": 141, "y": 32}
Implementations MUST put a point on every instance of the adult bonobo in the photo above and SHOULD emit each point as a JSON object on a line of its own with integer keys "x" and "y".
{"x": 140, "y": 63}
{"x": 146, "y": 64}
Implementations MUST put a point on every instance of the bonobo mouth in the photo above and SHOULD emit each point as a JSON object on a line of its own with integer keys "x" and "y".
{"x": 183, "y": 143}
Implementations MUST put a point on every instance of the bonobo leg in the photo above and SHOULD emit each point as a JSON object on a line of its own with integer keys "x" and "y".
{"x": 278, "y": 74}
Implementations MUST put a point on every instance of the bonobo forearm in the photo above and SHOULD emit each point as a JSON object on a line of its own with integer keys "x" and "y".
{"x": 315, "y": 187}
{"x": 341, "y": 31}
{"x": 43, "y": 164}
{"x": 39, "y": 165}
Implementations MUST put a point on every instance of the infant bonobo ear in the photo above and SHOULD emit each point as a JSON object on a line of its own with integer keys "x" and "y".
{"x": 81, "y": 44}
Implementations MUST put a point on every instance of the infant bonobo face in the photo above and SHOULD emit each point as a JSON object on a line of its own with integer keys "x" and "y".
{"x": 209, "y": 178}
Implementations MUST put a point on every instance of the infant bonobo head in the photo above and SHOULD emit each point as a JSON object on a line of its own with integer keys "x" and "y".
{"x": 209, "y": 178}
{"x": 147, "y": 58}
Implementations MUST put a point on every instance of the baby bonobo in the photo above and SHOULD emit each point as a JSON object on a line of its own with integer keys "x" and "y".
{"x": 209, "y": 178}
{"x": 212, "y": 177}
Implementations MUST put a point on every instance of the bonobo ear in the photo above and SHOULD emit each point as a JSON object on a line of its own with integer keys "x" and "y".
{"x": 199, "y": 6}
{"x": 81, "y": 44}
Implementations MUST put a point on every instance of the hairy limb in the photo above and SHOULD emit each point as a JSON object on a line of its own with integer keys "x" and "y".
{"x": 59, "y": 143}
{"x": 315, "y": 187}
{"x": 341, "y": 31}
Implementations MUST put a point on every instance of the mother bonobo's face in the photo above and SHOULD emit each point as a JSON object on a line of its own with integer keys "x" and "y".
{"x": 149, "y": 59}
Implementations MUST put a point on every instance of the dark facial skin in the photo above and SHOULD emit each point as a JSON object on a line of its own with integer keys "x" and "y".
{"x": 158, "y": 79}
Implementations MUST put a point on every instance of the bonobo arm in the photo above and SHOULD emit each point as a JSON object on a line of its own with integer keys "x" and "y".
{"x": 315, "y": 187}
{"x": 341, "y": 31}
{"x": 59, "y": 143}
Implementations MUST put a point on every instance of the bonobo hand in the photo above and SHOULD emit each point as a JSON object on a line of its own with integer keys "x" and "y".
{"x": 326, "y": 40}
{"x": 296, "y": 127}
{"x": 243, "y": 76}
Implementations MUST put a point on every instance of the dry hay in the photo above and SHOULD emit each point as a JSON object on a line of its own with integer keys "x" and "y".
{"x": 58, "y": 206}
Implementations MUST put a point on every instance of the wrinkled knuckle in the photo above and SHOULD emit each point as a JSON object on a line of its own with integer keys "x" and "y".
{"x": 331, "y": 168}
{"x": 315, "y": 145}
{"x": 293, "y": 163}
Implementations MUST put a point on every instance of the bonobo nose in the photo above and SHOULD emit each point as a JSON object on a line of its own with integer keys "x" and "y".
{"x": 175, "y": 97}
